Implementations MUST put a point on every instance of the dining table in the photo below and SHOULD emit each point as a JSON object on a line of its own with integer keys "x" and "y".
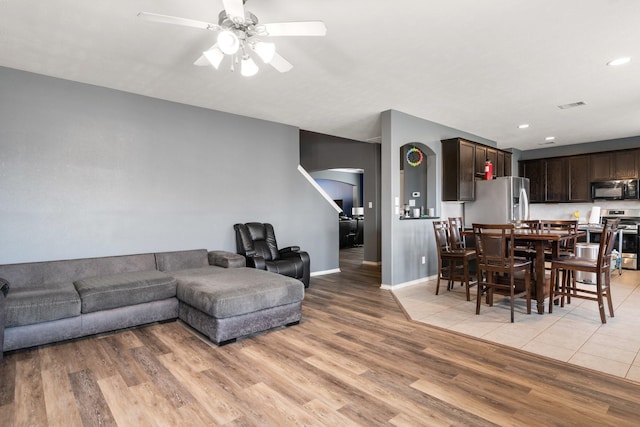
{"x": 539, "y": 239}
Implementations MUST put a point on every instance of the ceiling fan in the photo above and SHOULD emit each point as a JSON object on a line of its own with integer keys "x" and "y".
{"x": 240, "y": 37}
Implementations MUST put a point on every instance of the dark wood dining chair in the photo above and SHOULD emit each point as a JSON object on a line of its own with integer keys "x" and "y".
{"x": 526, "y": 249}
{"x": 453, "y": 262}
{"x": 568, "y": 246}
{"x": 601, "y": 266}
{"x": 499, "y": 270}
{"x": 456, "y": 227}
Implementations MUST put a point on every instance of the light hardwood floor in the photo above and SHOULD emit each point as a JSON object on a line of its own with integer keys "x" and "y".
{"x": 355, "y": 359}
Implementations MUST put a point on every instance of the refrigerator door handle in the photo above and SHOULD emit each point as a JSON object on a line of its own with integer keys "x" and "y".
{"x": 524, "y": 204}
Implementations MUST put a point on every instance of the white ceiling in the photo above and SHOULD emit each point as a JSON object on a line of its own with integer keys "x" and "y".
{"x": 482, "y": 66}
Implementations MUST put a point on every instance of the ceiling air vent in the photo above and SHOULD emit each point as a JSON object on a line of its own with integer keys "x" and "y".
{"x": 572, "y": 105}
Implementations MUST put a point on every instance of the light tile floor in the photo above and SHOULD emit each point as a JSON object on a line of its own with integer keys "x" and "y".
{"x": 572, "y": 334}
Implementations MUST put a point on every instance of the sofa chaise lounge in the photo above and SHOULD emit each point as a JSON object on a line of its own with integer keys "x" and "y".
{"x": 213, "y": 292}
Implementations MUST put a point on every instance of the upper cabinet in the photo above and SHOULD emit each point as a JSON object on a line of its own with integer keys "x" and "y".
{"x": 568, "y": 179}
{"x": 458, "y": 168}
{"x": 556, "y": 184}
{"x": 533, "y": 169}
{"x": 579, "y": 181}
{"x": 601, "y": 167}
{"x": 481, "y": 157}
{"x": 507, "y": 164}
{"x": 463, "y": 163}
{"x": 492, "y": 156}
{"x": 625, "y": 164}
{"x": 615, "y": 165}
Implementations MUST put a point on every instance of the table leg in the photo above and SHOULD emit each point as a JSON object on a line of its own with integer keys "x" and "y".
{"x": 539, "y": 273}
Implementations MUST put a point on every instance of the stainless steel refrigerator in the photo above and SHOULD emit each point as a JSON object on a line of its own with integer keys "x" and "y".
{"x": 498, "y": 201}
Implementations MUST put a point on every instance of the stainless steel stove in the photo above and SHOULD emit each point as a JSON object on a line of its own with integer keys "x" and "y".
{"x": 628, "y": 226}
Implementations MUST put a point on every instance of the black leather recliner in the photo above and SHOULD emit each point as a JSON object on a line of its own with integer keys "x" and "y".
{"x": 257, "y": 242}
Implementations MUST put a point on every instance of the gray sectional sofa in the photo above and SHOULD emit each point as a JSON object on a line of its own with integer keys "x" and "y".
{"x": 213, "y": 292}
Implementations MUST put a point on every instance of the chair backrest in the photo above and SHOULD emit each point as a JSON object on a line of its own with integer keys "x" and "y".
{"x": 534, "y": 224}
{"x": 609, "y": 231}
{"x": 569, "y": 225}
{"x": 441, "y": 232}
{"x": 257, "y": 238}
{"x": 456, "y": 239}
{"x": 494, "y": 246}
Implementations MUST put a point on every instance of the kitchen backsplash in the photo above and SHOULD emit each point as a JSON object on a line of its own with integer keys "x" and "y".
{"x": 550, "y": 210}
{"x": 566, "y": 210}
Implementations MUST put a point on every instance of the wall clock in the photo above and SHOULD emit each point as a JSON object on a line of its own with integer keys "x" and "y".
{"x": 414, "y": 156}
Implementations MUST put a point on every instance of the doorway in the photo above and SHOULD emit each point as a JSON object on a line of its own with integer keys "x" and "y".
{"x": 345, "y": 186}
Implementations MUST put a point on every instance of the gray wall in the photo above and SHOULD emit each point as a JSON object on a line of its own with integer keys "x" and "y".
{"x": 320, "y": 152}
{"x": 87, "y": 171}
{"x": 405, "y": 242}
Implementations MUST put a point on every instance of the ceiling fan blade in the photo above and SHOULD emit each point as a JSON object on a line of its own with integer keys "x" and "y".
{"x": 264, "y": 50}
{"x": 302, "y": 28}
{"x": 280, "y": 64}
{"x": 234, "y": 9}
{"x": 202, "y": 61}
{"x": 155, "y": 17}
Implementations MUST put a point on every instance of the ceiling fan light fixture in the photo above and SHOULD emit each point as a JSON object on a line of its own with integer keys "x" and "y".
{"x": 265, "y": 51}
{"x": 248, "y": 67}
{"x": 214, "y": 56}
{"x": 228, "y": 42}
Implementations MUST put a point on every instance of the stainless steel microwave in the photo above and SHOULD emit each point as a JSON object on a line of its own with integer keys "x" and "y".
{"x": 615, "y": 190}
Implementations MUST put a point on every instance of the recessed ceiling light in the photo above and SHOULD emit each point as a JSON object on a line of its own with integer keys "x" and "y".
{"x": 550, "y": 138}
{"x": 619, "y": 61}
{"x": 523, "y": 126}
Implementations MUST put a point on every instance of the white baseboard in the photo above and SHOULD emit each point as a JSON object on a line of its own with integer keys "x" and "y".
{"x": 322, "y": 273}
{"x": 406, "y": 284}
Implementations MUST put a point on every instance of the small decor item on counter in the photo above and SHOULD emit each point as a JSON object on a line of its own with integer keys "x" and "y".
{"x": 488, "y": 170}
{"x": 581, "y": 220}
{"x": 416, "y": 212}
{"x": 432, "y": 212}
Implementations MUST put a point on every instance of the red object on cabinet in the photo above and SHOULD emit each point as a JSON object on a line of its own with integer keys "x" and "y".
{"x": 488, "y": 170}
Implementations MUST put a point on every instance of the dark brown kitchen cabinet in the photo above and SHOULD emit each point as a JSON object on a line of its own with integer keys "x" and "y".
{"x": 481, "y": 158}
{"x": 579, "y": 181}
{"x": 499, "y": 168}
{"x": 568, "y": 179}
{"x": 484, "y": 153}
{"x": 492, "y": 156}
{"x": 625, "y": 164}
{"x": 463, "y": 164}
{"x": 601, "y": 167}
{"x": 614, "y": 165}
{"x": 458, "y": 167}
{"x": 534, "y": 170}
{"x": 556, "y": 185}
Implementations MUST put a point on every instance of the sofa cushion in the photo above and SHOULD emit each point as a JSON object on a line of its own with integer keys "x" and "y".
{"x": 41, "y": 304}
{"x": 181, "y": 260}
{"x": 118, "y": 290}
{"x": 227, "y": 259}
{"x": 234, "y": 291}
{"x": 44, "y": 274}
